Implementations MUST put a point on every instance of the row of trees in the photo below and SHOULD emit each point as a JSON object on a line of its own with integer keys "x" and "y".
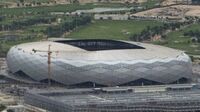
{"x": 149, "y": 32}
{"x": 58, "y": 30}
{"x": 2, "y": 54}
{"x": 16, "y": 25}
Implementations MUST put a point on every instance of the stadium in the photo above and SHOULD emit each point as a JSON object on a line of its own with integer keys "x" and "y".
{"x": 100, "y": 62}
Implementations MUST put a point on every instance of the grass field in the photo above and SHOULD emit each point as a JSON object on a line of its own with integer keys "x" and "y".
{"x": 179, "y": 41}
{"x": 55, "y": 8}
{"x": 44, "y": 9}
{"x": 6, "y": 46}
{"x": 150, "y": 3}
{"x": 102, "y": 29}
{"x": 107, "y": 29}
{"x": 26, "y": 1}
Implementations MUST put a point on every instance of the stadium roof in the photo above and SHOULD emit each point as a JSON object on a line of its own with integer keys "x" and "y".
{"x": 69, "y": 49}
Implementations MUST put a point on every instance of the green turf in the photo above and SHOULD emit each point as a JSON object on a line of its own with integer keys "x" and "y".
{"x": 41, "y": 1}
{"x": 36, "y": 28}
{"x": 108, "y": 29}
{"x": 55, "y": 8}
{"x": 6, "y": 46}
{"x": 150, "y": 3}
{"x": 26, "y": 1}
{"x": 14, "y": 1}
{"x": 177, "y": 40}
{"x": 44, "y": 9}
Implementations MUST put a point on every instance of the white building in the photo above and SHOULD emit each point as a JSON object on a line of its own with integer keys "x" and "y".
{"x": 111, "y": 16}
{"x": 100, "y": 62}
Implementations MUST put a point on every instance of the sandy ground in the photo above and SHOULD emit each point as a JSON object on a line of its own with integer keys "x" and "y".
{"x": 10, "y": 4}
{"x": 172, "y": 2}
{"x": 139, "y": 1}
{"x": 176, "y": 10}
{"x": 62, "y": 1}
{"x": 168, "y": 2}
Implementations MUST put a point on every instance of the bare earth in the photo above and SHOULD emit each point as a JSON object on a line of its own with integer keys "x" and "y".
{"x": 62, "y": 1}
{"x": 173, "y": 2}
{"x": 172, "y": 11}
{"x": 169, "y": 2}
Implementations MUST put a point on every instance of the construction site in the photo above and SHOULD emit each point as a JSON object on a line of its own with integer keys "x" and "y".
{"x": 142, "y": 95}
{"x": 51, "y": 63}
{"x": 168, "y": 98}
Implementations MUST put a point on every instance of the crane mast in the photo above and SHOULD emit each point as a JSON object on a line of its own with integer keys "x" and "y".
{"x": 49, "y": 52}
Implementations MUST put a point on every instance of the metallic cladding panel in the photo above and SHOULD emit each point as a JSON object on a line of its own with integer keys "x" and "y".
{"x": 35, "y": 66}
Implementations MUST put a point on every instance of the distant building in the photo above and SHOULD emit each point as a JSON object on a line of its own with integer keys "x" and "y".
{"x": 57, "y": 13}
{"x": 111, "y": 16}
{"x": 100, "y": 10}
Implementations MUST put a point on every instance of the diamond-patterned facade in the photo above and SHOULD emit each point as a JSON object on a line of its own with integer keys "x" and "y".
{"x": 35, "y": 66}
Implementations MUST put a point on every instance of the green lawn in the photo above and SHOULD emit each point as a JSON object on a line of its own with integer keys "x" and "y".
{"x": 5, "y": 46}
{"x": 36, "y": 28}
{"x": 44, "y": 9}
{"x": 14, "y": 1}
{"x": 150, "y": 3}
{"x": 34, "y": 31}
{"x": 42, "y": 1}
{"x": 108, "y": 29}
{"x": 55, "y": 8}
{"x": 26, "y": 1}
{"x": 177, "y": 40}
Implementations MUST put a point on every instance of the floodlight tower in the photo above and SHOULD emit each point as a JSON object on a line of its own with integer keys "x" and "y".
{"x": 49, "y": 52}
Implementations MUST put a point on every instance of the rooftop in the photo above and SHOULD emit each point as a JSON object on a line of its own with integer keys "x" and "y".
{"x": 113, "y": 95}
{"x": 102, "y": 51}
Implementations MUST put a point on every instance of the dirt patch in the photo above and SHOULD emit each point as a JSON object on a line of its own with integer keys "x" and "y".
{"x": 62, "y": 1}
{"x": 172, "y": 11}
{"x": 168, "y": 2}
{"x": 172, "y": 2}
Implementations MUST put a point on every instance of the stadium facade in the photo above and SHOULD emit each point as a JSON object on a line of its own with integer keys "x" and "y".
{"x": 100, "y": 62}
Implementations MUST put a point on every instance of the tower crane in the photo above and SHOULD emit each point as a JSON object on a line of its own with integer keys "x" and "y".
{"x": 49, "y": 52}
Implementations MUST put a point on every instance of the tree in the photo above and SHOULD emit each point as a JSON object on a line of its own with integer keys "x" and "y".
{"x": 22, "y": 1}
{"x": 38, "y": 3}
{"x": 9, "y": 110}
{"x": 18, "y": 4}
{"x": 75, "y": 1}
{"x": 2, "y": 107}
